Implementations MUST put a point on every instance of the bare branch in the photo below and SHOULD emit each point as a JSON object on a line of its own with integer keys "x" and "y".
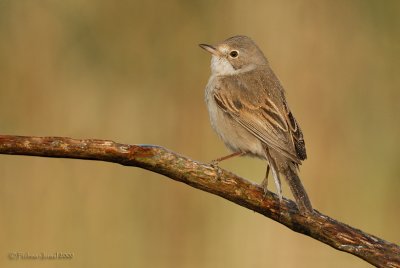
{"x": 213, "y": 180}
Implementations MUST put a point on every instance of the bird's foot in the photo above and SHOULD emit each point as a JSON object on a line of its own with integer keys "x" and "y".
{"x": 264, "y": 185}
{"x": 214, "y": 163}
{"x": 218, "y": 171}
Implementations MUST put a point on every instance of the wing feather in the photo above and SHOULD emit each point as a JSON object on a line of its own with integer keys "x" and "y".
{"x": 260, "y": 107}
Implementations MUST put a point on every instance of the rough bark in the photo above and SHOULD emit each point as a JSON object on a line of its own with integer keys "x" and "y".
{"x": 216, "y": 181}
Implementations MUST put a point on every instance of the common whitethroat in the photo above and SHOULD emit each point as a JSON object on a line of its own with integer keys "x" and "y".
{"x": 249, "y": 112}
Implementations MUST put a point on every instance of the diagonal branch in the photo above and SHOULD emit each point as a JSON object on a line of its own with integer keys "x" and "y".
{"x": 216, "y": 181}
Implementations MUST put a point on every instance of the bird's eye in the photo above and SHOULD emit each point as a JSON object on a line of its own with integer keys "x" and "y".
{"x": 234, "y": 54}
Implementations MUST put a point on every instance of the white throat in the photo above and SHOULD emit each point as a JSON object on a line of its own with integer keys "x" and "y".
{"x": 221, "y": 66}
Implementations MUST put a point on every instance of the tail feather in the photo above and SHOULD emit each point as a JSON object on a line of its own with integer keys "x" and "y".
{"x": 299, "y": 193}
{"x": 289, "y": 170}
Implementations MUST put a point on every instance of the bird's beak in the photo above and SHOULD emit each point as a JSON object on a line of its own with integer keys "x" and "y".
{"x": 210, "y": 49}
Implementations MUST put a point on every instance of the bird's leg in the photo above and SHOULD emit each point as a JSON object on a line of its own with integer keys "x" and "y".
{"x": 215, "y": 162}
{"x": 275, "y": 175}
{"x": 264, "y": 183}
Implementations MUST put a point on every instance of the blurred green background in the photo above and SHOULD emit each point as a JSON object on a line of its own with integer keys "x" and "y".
{"x": 131, "y": 71}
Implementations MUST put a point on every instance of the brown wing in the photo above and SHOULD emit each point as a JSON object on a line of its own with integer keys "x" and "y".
{"x": 256, "y": 101}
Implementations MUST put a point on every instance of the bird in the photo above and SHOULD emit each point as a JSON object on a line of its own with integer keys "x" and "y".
{"x": 249, "y": 112}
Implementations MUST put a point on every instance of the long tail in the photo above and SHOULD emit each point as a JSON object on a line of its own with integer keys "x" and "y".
{"x": 299, "y": 193}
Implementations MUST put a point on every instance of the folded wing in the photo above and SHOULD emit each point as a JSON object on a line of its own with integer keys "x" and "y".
{"x": 259, "y": 105}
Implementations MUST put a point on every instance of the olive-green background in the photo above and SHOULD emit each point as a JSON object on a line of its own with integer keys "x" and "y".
{"x": 131, "y": 71}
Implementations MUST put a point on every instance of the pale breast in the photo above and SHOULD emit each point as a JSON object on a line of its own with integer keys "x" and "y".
{"x": 235, "y": 137}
